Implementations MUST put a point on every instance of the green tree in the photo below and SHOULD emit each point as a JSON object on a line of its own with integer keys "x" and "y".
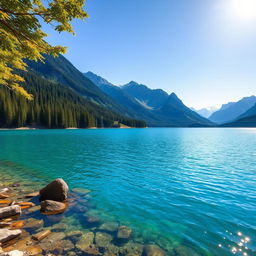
{"x": 21, "y": 36}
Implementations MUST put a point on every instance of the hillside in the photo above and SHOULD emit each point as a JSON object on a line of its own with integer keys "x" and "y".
{"x": 54, "y": 106}
{"x": 249, "y": 121}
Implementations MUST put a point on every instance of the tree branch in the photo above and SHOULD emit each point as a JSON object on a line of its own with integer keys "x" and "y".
{"x": 25, "y": 13}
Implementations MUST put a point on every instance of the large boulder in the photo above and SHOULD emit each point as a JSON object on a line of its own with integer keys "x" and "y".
{"x": 9, "y": 211}
{"x": 52, "y": 207}
{"x": 56, "y": 191}
{"x": 6, "y": 234}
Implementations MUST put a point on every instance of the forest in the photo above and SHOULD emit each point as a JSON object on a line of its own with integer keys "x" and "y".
{"x": 54, "y": 106}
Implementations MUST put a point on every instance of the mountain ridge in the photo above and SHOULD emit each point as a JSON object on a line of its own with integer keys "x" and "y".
{"x": 154, "y": 106}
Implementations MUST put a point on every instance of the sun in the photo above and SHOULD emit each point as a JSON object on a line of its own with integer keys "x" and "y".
{"x": 244, "y": 9}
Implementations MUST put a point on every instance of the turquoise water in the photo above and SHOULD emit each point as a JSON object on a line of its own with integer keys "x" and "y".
{"x": 174, "y": 186}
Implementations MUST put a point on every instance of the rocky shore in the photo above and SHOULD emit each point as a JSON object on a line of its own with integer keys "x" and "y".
{"x": 32, "y": 223}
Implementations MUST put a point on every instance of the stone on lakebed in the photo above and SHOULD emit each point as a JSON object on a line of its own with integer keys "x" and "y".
{"x": 124, "y": 232}
{"x": 41, "y": 235}
{"x": 153, "y": 250}
{"x": 52, "y": 207}
{"x": 13, "y": 253}
{"x": 6, "y": 234}
{"x": 9, "y": 211}
{"x": 57, "y": 190}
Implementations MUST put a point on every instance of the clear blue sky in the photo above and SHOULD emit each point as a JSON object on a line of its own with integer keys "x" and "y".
{"x": 203, "y": 50}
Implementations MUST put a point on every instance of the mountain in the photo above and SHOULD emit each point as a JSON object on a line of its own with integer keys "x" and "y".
{"x": 62, "y": 71}
{"x": 149, "y": 98}
{"x": 249, "y": 112}
{"x": 177, "y": 113}
{"x": 205, "y": 112}
{"x": 54, "y": 106}
{"x": 155, "y": 107}
{"x": 249, "y": 121}
{"x": 231, "y": 111}
{"x": 132, "y": 107}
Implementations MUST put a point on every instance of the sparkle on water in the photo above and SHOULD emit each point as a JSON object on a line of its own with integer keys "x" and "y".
{"x": 190, "y": 187}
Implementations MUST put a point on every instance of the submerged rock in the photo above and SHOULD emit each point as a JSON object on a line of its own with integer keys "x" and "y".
{"x": 56, "y": 191}
{"x": 41, "y": 235}
{"x": 85, "y": 241}
{"x": 124, "y": 232}
{"x": 33, "y": 223}
{"x": 92, "y": 220}
{"x": 33, "y": 250}
{"x": 131, "y": 249}
{"x": 34, "y": 208}
{"x": 109, "y": 227}
{"x": 9, "y": 211}
{"x": 52, "y": 207}
{"x": 102, "y": 239}
{"x": 153, "y": 250}
{"x": 6, "y": 234}
{"x": 74, "y": 235}
{"x": 184, "y": 251}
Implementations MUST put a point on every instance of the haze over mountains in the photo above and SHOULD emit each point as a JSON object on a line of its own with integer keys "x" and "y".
{"x": 232, "y": 110}
{"x": 205, "y": 112}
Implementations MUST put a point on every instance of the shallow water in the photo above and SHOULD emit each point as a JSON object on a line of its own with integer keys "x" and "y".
{"x": 174, "y": 186}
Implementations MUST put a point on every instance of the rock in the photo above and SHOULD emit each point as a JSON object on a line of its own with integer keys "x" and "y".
{"x": 56, "y": 191}
{"x": 92, "y": 220}
{"x": 4, "y": 196}
{"x": 33, "y": 194}
{"x": 21, "y": 245}
{"x": 4, "y": 190}
{"x": 131, "y": 249}
{"x": 74, "y": 235}
{"x": 85, "y": 241}
{"x": 6, "y": 234}
{"x": 33, "y": 250}
{"x": 67, "y": 245}
{"x": 52, "y": 207}
{"x": 33, "y": 223}
{"x": 153, "y": 250}
{"x": 13, "y": 253}
{"x": 53, "y": 242}
{"x": 184, "y": 251}
{"x": 109, "y": 227}
{"x": 18, "y": 224}
{"x": 41, "y": 235}
{"x": 34, "y": 208}
{"x": 92, "y": 250}
{"x": 30, "y": 204}
{"x": 5, "y": 224}
{"x": 124, "y": 232}
{"x": 102, "y": 239}
{"x": 56, "y": 236}
{"x": 15, "y": 185}
{"x": 82, "y": 191}
{"x": 9, "y": 211}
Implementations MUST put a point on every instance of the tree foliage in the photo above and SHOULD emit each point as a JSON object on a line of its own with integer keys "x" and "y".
{"x": 22, "y": 37}
{"x": 54, "y": 106}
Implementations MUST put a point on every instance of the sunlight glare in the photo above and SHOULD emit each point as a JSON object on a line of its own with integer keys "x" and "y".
{"x": 244, "y": 9}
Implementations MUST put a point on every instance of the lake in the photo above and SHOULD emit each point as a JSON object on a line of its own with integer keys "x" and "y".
{"x": 190, "y": 188}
